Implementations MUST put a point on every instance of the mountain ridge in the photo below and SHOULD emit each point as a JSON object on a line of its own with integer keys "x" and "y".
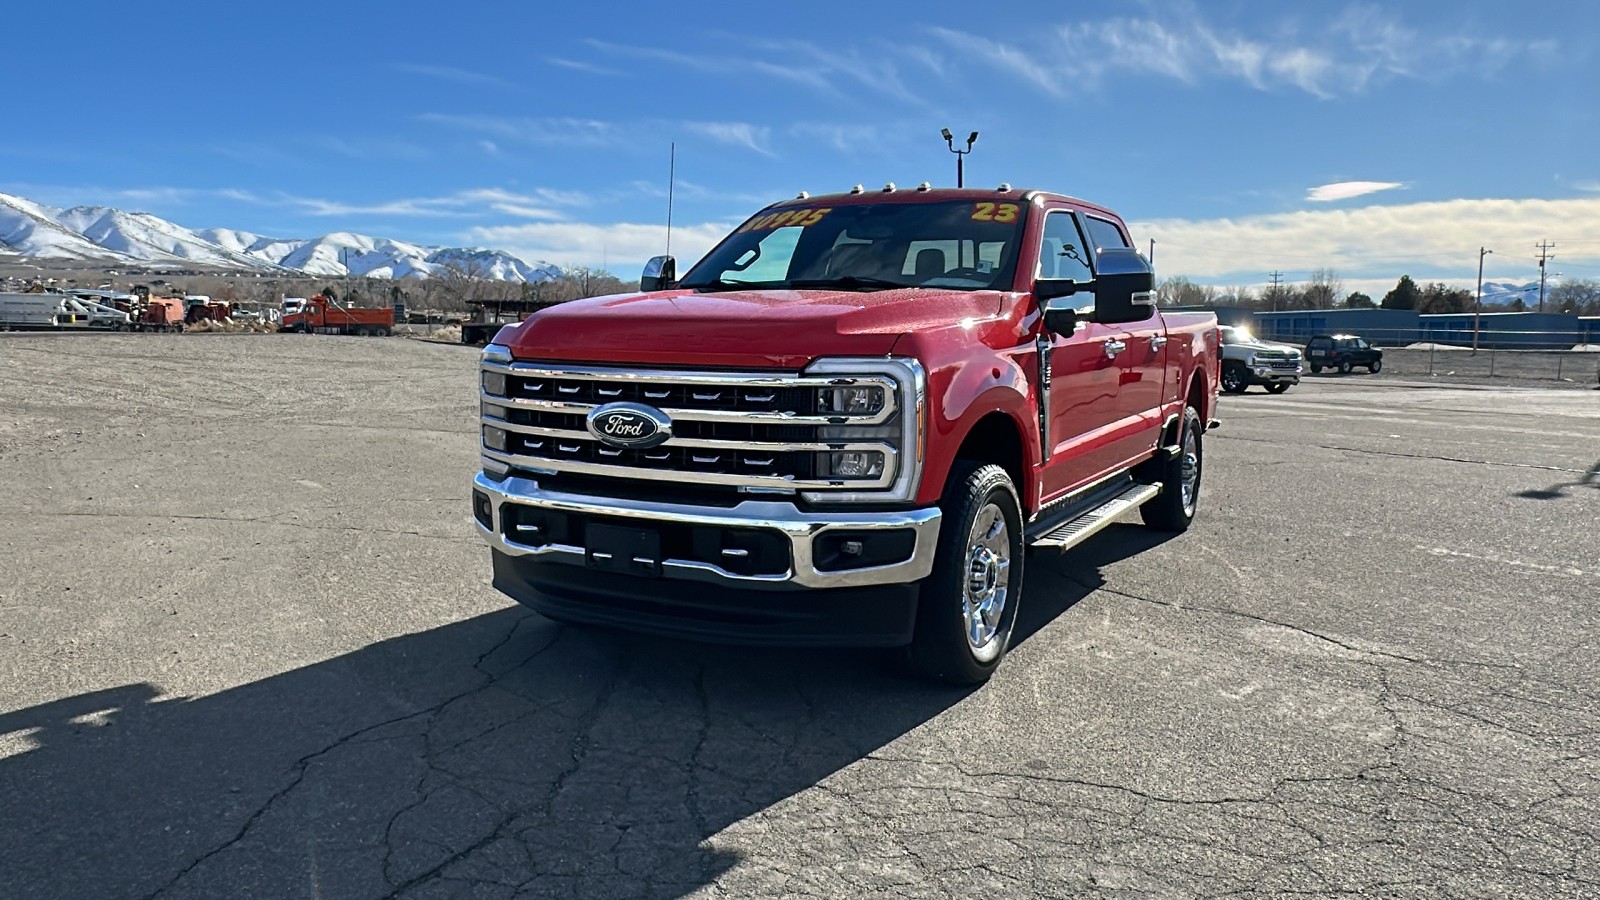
{"x": 106, "y": 234}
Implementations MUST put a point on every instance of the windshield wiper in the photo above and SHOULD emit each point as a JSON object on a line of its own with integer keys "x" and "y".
{"x": 705, "y": 287}
{"x": 849, "y": 283}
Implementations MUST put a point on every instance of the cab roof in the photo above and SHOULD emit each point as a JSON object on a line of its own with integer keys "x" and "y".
{"x": 924, "y": 194}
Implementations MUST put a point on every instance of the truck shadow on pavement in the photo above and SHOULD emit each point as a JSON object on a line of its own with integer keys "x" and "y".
{"x": 494, "y": 755}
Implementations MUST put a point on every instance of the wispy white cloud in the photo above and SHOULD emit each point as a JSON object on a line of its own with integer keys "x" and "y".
{"x": 1343, "y": 55}
{"x": 738, "y": 134}
{"x": 828, "y": 69}
{"x": 1439, "y": 237}
{"x": 1589, "y": 186}
{"x": 623, "y": 246}
{"x": 558, "y": 131}
{"x": 1344, "y": 190}
{"x": 451, "y": 73}
{"x": 372, "y": 148}
{"x": 718, "y": 63}
{"x": 467, "y": 204}
{"x": 581, "y": 66}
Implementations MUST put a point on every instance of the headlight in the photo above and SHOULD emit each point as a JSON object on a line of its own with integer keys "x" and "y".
{"x": 896, "y": 413}
{"x": 850, "y": 401}
{"x": 498, "y": 353}
{"x": 1250, "y": 360}
{"x": 855, "y": 464}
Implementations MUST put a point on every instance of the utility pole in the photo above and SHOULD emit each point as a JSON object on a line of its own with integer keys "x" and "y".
{"x": 1477, "y": 307}
{"x": 1276, "y": 278}
{"x": 1544, "y": 254}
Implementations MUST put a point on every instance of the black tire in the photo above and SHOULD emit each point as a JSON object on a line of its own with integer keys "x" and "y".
{"x": 1316, "y": 370}
{"x": 1169, "y": 511}
{"x": 941, "y": 648}
{"x": 1376, "y": 367}
{"x": 1345, "y": 367}
{"x": 1277, "y": 387}
{"x": 1234, "y": 380}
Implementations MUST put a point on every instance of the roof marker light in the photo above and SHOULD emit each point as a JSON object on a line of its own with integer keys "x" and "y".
{"x": 802, "y": 195}
{"x": 888, "y": 188}
{"x": 858, "y": 189}
{"x": 1005, "y": 186}
{"x": 925, "y": 186}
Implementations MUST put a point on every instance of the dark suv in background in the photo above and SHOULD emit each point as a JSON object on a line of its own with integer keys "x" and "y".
{"x": 1343, "y": 352}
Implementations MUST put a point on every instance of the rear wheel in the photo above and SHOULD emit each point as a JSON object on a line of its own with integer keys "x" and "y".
{"x": 1233, "y": 380}
{"x": 1174, "y": 509}
{"x": 1278, "y": 387}
{"x": 1377, "y": 364}
{"x": 968, "y": 605}
{"x": 1316, "y": 370}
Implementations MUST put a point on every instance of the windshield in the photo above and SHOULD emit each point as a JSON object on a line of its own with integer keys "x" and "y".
{"x": 1232, "y": 334}
{"x": 956, "y": 244}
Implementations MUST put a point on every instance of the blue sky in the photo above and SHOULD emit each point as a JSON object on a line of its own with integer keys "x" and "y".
{"x": 1242, "y": 136}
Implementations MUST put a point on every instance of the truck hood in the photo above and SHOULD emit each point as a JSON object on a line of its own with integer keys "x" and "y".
{"x": 1254, "y": 346}
{"x": 750, "y": 329}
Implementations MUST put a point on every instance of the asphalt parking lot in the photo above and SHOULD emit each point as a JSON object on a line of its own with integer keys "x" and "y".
{"x": 248, "y": 649}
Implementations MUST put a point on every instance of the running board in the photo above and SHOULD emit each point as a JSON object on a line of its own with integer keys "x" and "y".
{"x": 1070, "y": 534}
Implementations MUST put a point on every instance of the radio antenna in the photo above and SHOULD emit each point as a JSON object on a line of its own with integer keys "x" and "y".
{"x": 672, "y": 178}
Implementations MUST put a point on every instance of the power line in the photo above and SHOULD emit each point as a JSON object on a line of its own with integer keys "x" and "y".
{"x": 1276, "y": 277}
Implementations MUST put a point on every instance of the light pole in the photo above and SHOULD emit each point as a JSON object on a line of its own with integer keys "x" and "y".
{"x": 950, "y": 142}
{"x": 1477, "y": 306}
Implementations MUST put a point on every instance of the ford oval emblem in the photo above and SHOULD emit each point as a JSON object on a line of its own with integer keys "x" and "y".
{"x": 631, "y": 425}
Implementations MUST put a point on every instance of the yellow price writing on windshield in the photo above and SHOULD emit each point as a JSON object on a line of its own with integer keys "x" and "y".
{"x": 803, "y": 217}
{"x": 995, "y": 212}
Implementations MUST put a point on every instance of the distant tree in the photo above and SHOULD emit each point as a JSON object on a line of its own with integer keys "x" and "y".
{"x": 1441, "y": 298}
{"x": 1577, "y": 295}
{"x": 1323, "y": 291}
{"x": 1404, "y": 296}
{"x": 1359, "y": 300}
{"x": 1180, "y": 291}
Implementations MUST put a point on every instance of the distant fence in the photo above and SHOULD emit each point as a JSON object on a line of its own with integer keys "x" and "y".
{"x": 1537, "y": 355}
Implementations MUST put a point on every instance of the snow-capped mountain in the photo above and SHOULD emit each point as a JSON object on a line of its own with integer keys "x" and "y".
{"x": 94, "y": 233}
{"x": 1502, "y": 293}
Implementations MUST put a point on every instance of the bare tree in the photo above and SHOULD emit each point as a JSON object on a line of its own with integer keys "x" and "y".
{"x": 1577, "y": 295}
{"x": 1180, "y": 291}
{"x": 1323, "y": 290}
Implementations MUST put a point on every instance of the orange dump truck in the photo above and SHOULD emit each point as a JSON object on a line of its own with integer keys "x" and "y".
{"x": 160, "y": 314}
{"x": 321, "y": 315}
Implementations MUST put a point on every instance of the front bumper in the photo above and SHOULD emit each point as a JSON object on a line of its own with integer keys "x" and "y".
{"x": 806, "y": 604}
{"x": 1270, "y": 375}
{"x": 801, "y": 531}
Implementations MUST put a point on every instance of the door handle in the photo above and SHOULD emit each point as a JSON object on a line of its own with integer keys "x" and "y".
{"x": 1114, "y": 346}
{"x": 1157, "y": 342}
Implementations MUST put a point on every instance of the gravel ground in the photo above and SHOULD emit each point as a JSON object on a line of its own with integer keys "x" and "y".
{"x": 248, "y": 649}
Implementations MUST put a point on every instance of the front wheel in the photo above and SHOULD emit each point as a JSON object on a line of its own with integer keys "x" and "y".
{"x": 1345, "y": 367}
{"x": 1377, "y": 365}
{"x": 1174, "y": 508}
{"x": 1233, "y": 380}
{"x": 1277, "y": 387}
{"x": 968, "y": 605}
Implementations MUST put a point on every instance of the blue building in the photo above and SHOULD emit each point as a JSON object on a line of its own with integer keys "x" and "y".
{"x": 1505, "y": 330}
{"x": 1385, "y": 327}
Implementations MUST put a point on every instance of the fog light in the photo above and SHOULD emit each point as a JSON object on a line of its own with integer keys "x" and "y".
{"x": 494, "y": 438}
{"x": 850, "y": 401}
{"x": 856, "y": 464}
{"x": 494, "y": 384}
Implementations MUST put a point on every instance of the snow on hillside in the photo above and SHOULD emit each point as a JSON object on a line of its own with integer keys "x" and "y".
{"x": 30, "y": 229}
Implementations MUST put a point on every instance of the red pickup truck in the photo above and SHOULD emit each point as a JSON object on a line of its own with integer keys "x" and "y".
{"x": 847, "y": 424}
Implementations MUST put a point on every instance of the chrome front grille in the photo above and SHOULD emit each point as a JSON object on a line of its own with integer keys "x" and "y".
{"x": 756, "y": 431}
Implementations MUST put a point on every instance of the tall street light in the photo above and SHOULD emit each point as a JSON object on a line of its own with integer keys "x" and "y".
{"x": 950, "y": 141}
{"x": 1477, "y": 306}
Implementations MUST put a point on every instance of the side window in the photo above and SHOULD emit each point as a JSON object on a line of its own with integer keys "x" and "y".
{"x": 1062, "y": 255}
{"x": 1361, "y": 344}
{"x": 1104, "y": 233}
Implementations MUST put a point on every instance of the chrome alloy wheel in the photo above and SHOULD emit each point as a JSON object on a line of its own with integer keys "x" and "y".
{"x": 1190, "y": 473}
{"x": 988, "y": 585}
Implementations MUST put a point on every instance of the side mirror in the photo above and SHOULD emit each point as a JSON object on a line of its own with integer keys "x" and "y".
{"x": 1047, "y": 289}
{"x": 1123, "y": 287}
{"x": 1060, "y": 321}
{"x": 660, "y": 274}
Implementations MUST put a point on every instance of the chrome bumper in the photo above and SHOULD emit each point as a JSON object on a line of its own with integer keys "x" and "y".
{"x": 799, "y": 527}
